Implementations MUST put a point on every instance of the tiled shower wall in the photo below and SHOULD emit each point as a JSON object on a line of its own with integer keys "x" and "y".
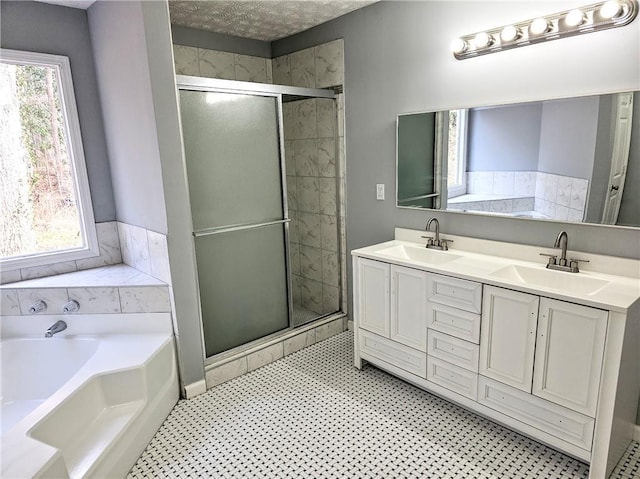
{"x": 321, "y": 66}
{"x": 310, "y": 152}
{"x": 318, "y": 261}
{"x": 228, "y": 66}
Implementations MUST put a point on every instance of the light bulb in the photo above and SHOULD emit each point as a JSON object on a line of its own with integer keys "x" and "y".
{"x": 482, "y": 40}
{"x": 610, "y": 9}
{"x": 539, "y": 26}
{"x": 574, "y": 18}
{"x": 509, "y": 33}
{"x": 459, "y": 46}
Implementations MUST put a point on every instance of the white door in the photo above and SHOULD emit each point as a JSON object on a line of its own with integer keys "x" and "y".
{"x": 373, "y": 296}
{"x": 508, "y": 336}
{"x": 622, "y": 118}
{"x": 569, "y": 352}
{"x": 409, "y": 307}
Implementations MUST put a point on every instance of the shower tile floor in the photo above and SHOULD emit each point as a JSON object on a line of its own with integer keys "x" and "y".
{"x": 313, "y": 415}
{"x": 302, "y": 315}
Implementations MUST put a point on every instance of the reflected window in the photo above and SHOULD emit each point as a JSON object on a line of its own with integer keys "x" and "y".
{"x": 456, "y": 153}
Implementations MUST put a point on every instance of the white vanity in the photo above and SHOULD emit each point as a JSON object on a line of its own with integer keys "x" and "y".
{"x": 553, "y": 355}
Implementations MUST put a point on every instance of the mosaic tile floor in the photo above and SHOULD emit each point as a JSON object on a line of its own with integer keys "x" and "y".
{"x": 313, "y": 415}
{"x": 302, "y": 315}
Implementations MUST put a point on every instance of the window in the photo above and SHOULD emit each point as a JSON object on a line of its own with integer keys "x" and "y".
{"x": 47, "y": 215}
{"x": 457, "y": 153}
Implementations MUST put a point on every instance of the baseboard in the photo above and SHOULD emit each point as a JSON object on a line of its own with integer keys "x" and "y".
{"x": 195, "y": 389}
{"x": 636, "y": 433}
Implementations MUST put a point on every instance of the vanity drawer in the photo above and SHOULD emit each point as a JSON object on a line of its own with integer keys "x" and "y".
{"x": 452, "y": 377}
{"x": 456, "y": 322}
{"x": 459, "y": 293}
{"x": 393, "y": 353}
{"x": 558, "y": 421}
{"x": 453, "y": 350}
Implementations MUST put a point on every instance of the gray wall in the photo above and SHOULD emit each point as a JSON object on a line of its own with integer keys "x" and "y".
{"x": 193, "y": 37}
{"x": 397, "y": 60}
{"x": 128, "y": 110}
{"x": 137, "y": 78}
{"x": 43, "y": 28}
{"x": 568, "y": 136}
{"x": 630, "y": 207}
{"x": 504, "y": 138}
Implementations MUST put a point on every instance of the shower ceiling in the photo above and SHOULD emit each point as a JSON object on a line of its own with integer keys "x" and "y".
{"x": 265, "y": 20}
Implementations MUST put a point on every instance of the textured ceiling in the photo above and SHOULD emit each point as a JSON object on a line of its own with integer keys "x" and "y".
{"x": 266, "y": 20}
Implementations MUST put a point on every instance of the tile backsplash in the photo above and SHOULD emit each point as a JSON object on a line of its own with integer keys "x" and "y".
{"x": 145, "y": 250}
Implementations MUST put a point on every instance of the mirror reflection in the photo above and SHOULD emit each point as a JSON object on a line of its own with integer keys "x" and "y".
{"x": 570, "y": 160}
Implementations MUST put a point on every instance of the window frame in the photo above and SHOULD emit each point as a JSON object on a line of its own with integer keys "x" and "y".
{"x": 73, "y": 138}
{"x": 461, "y": 151}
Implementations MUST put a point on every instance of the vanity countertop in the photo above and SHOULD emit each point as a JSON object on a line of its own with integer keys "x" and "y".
{"x": 516, "y": 267}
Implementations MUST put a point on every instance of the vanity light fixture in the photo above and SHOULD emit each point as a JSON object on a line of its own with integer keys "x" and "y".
{"x": 577, "y": 21}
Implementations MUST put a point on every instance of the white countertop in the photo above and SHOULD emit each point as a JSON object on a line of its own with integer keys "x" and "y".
{"x": 619, "y": 294}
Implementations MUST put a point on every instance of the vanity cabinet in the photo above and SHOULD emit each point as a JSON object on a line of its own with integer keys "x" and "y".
{"x": 408, "y": 307}
{"x": 391, "y": 304}
{"x": 561, "y": 367}
{"x": 508, "y": 336}
{"x": 373, "y": 296}
{"x": 569, "y": 354}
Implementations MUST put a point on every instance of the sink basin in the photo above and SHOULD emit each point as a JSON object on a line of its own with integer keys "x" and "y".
{"x": 576, "y": 283}
{"x": 422, "y": 255}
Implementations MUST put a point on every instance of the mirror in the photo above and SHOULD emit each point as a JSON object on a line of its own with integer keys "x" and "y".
{"x": 571, "y": 160}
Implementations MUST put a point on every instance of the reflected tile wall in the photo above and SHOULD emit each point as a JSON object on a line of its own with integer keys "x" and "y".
{"x": 555, "y": 196}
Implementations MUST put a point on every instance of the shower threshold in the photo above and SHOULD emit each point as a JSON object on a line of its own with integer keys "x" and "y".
{"x": 238, "y": 361}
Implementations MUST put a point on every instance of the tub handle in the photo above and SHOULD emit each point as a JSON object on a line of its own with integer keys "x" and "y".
{"x": 38, "y": 307}
{"x": 71, "y": 307}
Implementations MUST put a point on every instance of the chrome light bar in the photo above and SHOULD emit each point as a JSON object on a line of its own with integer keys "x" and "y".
{"x": 591, "y": 18}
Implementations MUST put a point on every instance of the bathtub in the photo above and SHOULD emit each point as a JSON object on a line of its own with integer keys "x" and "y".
{"x": 86, "y": 402}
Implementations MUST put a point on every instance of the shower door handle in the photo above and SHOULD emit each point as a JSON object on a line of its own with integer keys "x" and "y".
{"x": 228, "y": 229}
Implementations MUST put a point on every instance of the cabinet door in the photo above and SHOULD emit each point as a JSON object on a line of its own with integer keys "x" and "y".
{"x": 373, "y": 296}
{"x": 508, "y": 336}
{"x": 569, "y": 352}
{"x": 409, "y": 307}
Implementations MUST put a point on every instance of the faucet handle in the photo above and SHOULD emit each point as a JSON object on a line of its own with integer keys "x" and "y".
{"x": 552, "y": 257}
{"x": 573, "y": 264}
{"x": 429, "y": 240}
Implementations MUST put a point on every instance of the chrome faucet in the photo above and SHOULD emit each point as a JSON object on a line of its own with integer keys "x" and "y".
{"x": 561, "y": 242}
{"x": 55, "y": 328}
{"x": 436, "y": 242}
{"x": 562, "y": 264}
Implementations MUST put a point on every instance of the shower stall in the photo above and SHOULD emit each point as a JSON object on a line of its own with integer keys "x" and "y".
{"x": 261, "y": 171}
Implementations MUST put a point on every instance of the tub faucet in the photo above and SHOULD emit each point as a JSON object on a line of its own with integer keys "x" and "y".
{"x": 55, "y": 328}
{"x": 562, "y": 264}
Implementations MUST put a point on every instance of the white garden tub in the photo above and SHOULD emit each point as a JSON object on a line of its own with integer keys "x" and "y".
{"x": 86, "y": 402}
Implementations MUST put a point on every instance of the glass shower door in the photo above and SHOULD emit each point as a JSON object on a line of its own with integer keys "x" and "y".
{"x": 234, "y": 170}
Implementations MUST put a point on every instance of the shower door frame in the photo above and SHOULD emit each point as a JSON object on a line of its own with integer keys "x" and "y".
{"x": 215, "y": 85}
